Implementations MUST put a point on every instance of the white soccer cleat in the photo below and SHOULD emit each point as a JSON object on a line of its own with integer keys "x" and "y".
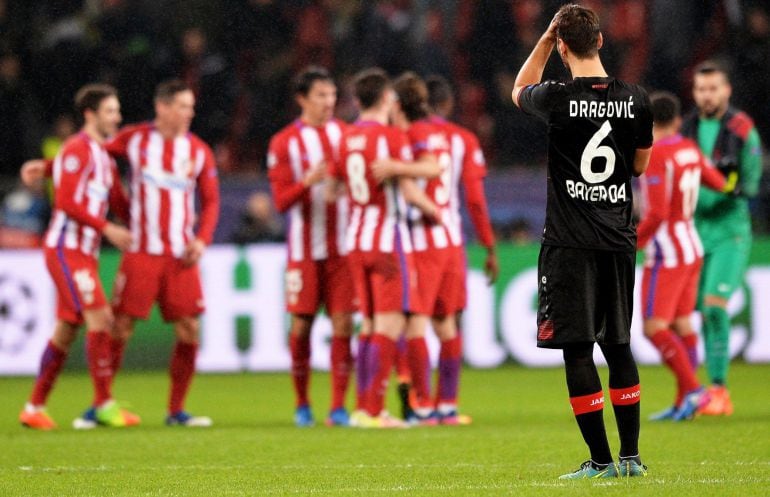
{"x": 183, "y": 418}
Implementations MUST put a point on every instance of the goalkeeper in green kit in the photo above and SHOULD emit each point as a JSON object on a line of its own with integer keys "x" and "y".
{"x": 728, "y": 137}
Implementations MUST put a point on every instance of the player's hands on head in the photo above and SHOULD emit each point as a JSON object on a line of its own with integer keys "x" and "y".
{"x": 316, "y": 174}
{"x": 491, "y": 266}
{"x": 33, "y": 172}
{"x": 118, "y": 236}
{"x": 193, "y": 252}
{"x": 550, "y": 33}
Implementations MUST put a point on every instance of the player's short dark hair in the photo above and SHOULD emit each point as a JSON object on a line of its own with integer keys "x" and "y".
{"x": 412, "y": 95}
{"x": 439, "y": 91}
{"x": 665, "y": 107}
{"x": 167, "y": 90}
{"x": 578, "y": 27}
{"x": 369, "y": 85}
{"x": 708, "y": 67}
{"x": 90, "y": 97}
{"x": 305, "y": 79}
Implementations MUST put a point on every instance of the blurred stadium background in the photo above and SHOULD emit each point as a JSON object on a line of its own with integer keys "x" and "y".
{"x": 239, "y": 55}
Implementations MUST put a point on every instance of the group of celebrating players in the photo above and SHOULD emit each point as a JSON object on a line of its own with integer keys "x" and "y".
{"x": 390, "y": 246}
{"x": 375, "y": 227}
{"x": 168, "y": 165}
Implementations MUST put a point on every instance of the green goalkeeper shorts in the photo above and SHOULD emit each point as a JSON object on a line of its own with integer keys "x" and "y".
{"x": 724, "y": 265}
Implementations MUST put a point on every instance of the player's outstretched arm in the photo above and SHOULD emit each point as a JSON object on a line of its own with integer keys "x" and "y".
{"x": 415, "y": 195}
{"x": 426, "y": 166}
{"x": 119, "y": 236}
{"x": 711, "y": 178}
{"x": 35, "y": 171}
{"x": 532, "y": 71}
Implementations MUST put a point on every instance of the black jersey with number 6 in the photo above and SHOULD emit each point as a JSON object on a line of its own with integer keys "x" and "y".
{"x": 595, "y": 126}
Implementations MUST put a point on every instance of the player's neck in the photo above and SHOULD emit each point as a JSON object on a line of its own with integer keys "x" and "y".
{"x": 659, "y": 134}
{"x": 93, "y": 134}
{"x": 587, "y": 68}
{"x": 311, "y": 121}
{"x": 374, "y": 115}
{"x": 166, "y": 131}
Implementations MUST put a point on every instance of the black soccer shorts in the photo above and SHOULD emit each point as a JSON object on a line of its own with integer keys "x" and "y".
{"x": 584, "y": 295}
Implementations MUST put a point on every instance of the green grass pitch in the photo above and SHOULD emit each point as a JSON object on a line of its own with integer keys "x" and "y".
{"x": 522, "y": 438}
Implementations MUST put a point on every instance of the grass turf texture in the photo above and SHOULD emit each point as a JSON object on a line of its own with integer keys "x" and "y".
{"x": 522, "y": 438}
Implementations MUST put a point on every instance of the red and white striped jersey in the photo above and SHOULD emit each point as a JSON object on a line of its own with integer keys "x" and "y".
{"x": 470, "y": 169}
{"x": 165, "y": 174}
{"x": 378, "y": 210}
{"x": 670, "y": 194}
{"x": 316, "y": 227}
{"x": 85, "y": 182}
{"x": 425, "y": 138}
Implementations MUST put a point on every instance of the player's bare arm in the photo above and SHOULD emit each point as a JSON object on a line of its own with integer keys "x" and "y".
{"x": 641, "y": 160}
{"x": 532, "y": 71}
{"x": 33, "y": 172}
{"x": 415, "y": 195}
{"x": 426, "y": 167}
{"x": 118, "y": 236}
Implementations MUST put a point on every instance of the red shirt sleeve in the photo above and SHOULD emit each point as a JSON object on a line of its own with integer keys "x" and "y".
{"x": 335, "y": 164}
{"x": 657, "y": 198}
{"x": 117, "y": 146}
{"x": 208, "y": 189}
{"x": 710, "y": 176}
{"x": 400, "y": 145}
{"x": 473, "y": 173}
{"x": 119, "y": 202}
{"x": 418, "y": 139}
{"x": 286, "y": 191}
{"x": 70, "y": 175}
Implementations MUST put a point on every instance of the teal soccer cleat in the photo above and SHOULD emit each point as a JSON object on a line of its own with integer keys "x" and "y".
{"x": 632, "y": 467}
{"x": 590, "y": 469}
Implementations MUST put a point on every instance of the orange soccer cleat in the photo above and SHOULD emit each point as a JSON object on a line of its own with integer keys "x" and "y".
{"x": 36, "y": 418}
{"x": 719, "y": 403}
{"x": 131, "y": 419}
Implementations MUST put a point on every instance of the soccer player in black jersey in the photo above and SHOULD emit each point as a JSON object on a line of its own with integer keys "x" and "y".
{"x": 599, "y": 136}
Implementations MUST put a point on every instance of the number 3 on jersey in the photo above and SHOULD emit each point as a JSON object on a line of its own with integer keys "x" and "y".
{"x": 592, "y": 151}
{"x": 356, "y": 169}
{"x": 442, "y": 191}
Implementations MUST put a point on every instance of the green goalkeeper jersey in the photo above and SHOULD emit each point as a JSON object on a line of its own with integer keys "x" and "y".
{"x": 719, "y": 216}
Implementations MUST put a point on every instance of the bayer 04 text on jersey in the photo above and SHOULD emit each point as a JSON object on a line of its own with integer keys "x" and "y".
{"x": 614, "y": 194}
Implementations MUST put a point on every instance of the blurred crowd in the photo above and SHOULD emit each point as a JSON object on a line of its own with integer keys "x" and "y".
{"x": 239, "y": 56}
